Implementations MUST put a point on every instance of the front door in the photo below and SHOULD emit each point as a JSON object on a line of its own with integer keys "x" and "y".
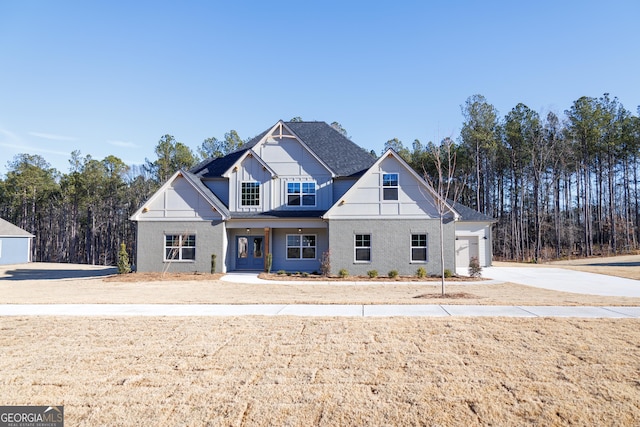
{"x": 250, "y": 253}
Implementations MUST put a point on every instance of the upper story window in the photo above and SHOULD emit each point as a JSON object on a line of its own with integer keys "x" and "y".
{"x": 250, "y": 194}
{"x": 180, "y": 247}
{"x": 301, "y": 193}
{"x": 390, "y": 186}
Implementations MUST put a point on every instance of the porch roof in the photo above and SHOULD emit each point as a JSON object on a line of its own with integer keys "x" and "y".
{"x": 279, "y": 214}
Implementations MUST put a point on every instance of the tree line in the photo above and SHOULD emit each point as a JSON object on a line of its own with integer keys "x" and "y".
{"x": 83, "y": 216}
{"x": 556, "y": 186}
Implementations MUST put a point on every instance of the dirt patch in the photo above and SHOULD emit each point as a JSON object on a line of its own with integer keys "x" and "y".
{"x": 457, "y": 295}
{"x": 300, "y": 371}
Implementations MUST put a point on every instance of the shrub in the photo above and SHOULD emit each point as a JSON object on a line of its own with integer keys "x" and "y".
{"x": 447, "y": 273}
{"x": 474, "y": 267}
{"x": 421, "y": 273}
{"x": 281, "y": 273}
{"x": 325, "y": 263}
{"x": 372, "y": 273}
{"x": 213, "y": 263}
{"x": 124, "y": 266}
{"x": 343, "y": 273}
{"x": 305, "y": 274}
{"x": 393, "y": 274}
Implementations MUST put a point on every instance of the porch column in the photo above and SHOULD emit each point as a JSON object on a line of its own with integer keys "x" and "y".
{"x": 266, "y": 246}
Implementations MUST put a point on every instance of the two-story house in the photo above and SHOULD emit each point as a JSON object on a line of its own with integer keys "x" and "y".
{"x": 297, "y": 191}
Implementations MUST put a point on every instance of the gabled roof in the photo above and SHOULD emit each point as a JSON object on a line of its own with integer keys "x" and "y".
{"x": 392, "y": 153}
{"x": 9, "y": 230}
{"x": 252, "y": 154}
{"x": 338, "y": 152}
{"x": 197, "y": 184}
{"x": 216, "y": 167}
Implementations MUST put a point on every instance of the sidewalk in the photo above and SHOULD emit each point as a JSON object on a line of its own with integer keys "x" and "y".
{"x": 315, "y": 310}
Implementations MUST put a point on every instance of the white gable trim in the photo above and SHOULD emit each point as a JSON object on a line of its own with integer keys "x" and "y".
{"x": 391, "y": 153}
{"x": 277, "y": 132}
{"x": 252, "y": 154}
{"x": 141, "y": 211}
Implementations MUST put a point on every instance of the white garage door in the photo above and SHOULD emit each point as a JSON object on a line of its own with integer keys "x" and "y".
{"x": 466, "y": 248}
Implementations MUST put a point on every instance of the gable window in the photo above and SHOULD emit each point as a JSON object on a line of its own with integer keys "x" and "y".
{"x": 390, "y": 186}
{"x": 362, "y": 247}
{"x": 301, "y": 246}
{"x": 250, "y": 194}
{"x": 301, "y": 194}
{"x": 418, "y": 247}
{"x": 180, "y": 247}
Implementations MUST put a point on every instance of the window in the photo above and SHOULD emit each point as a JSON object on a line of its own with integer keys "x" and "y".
{"x": 301, "y": 193}
{"x": 180, "y": 247}
{"x": 390, "y": 186}
{"x": 301, "y": 246}
{"x": 250, "y": 194}
{"x": 363, "y": 247}
{"x": 418, "y": 247}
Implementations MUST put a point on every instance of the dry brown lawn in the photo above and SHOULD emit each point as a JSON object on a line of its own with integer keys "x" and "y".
{"x": 166, "y": 371}
{"x": 301, "y": 372}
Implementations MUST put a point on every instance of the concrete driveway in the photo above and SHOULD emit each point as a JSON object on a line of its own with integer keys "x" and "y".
{"x": 558, "y": 279}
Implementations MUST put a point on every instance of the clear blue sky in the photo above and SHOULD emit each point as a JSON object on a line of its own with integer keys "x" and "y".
{"x": 112, "y": 77}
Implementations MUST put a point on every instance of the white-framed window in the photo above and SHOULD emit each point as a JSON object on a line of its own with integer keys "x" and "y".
{"x": 179, "y": 247}
{"x": 250, "y": 195}
{"x": 301, "y": 193}
{"x": 362, "y": 247}
{"x": 419, "y": 247}
{"x": 390, "y": 186}
{"x": 301, "y": 246}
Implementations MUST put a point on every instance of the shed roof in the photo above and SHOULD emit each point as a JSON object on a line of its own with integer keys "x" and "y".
{"x": 9, "y": 230}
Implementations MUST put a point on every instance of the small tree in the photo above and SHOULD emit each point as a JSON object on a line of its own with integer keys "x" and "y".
{"x": 124, "y": 266}
{"x": 269, "y": 262}
{"x": 474, "y": 267}
{"x": 444, "y": 162}
{"x": 325, "y": 263}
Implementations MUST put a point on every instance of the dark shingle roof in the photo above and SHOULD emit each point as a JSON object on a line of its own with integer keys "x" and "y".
{"x": 470, "y": 215}
{"x": 338, "y": 152}
{"x": 213, "y": 168}
{"x": 207, "y": 192}
{"x": 278, "y": 214}
{"x": 342, "y": 155}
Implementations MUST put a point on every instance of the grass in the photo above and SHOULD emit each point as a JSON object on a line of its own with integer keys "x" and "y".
{"x": 297, "y": 371}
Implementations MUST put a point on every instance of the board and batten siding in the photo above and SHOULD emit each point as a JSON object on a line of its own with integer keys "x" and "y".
{"x": 365, "y": 199}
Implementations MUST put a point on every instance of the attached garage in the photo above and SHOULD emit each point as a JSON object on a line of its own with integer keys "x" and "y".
{"x": 467, "y": 247}
{"x": 473, "y": 237}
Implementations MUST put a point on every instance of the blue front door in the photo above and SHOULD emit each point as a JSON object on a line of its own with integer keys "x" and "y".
{"x": 250, "y": 253}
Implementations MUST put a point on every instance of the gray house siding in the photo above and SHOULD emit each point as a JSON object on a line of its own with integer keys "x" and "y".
{"x": 210, "y": 239}
{"x": 15, "y": 250}
{"x": 279, "y": 250}
{"x": 390, "y": 245}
